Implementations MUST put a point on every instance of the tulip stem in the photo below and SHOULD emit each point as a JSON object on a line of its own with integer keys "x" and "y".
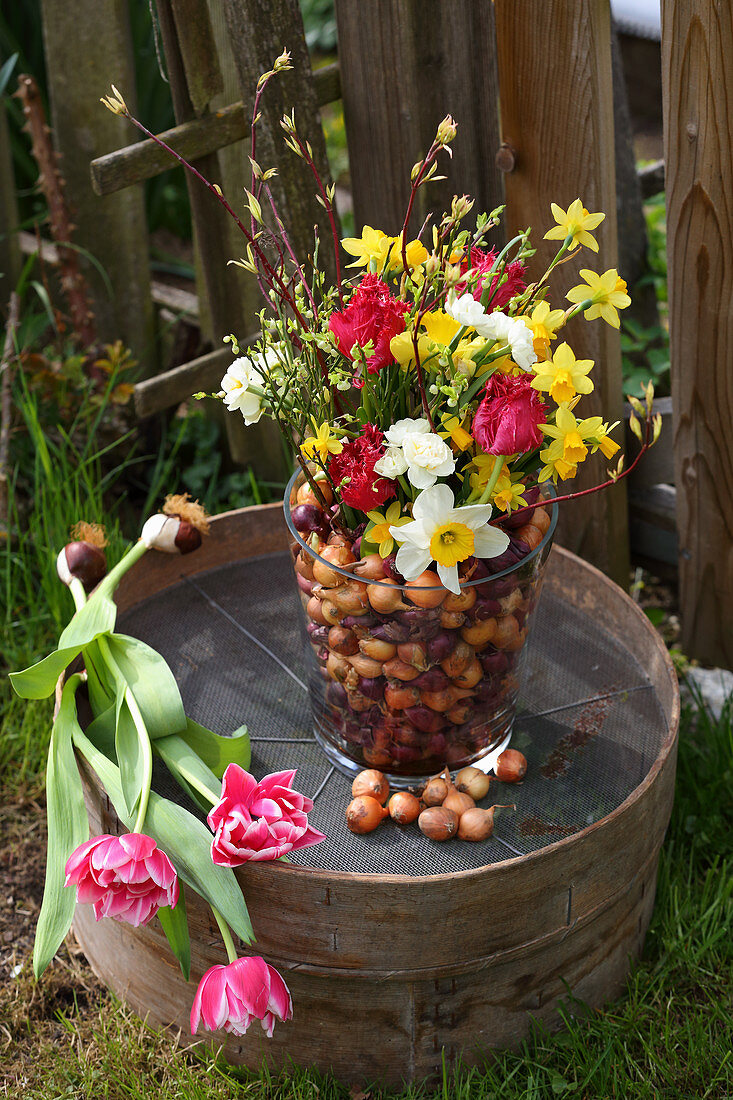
{"x": 226, "y": 935}
{"x": 493, "y": 478}
{"x": 78, "y": 594}
{"x": 110, "y": 582}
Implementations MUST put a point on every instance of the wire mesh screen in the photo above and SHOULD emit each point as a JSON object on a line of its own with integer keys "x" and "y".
{"x": 589, "y": 720}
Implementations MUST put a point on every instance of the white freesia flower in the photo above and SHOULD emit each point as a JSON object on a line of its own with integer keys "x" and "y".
{"x": 392, "y": 463}
{"x": 242, "y": 382}
{"x": 447, "y": 535}
{"x": 396, "y": 434}
{"x": 428, "y": 457}
{"x": 513, "y": 331}
{"x": 466, "y": 310}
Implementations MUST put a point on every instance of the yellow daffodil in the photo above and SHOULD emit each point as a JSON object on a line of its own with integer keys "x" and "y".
{"x": 607, "y": 293}
{"x": 454, "y": 430}
{"x": 379, "y": 534}
{"x": 323, "y": 443}
{"x": 372, "y": 245}
{"x": 563, "y": 376}
{"x": 508, "y": 495}
{"x": 571, "y": 441}
{"x": 576, "y": 223}
{"x": 417, "y": 254}
{"x": 403, "y": 349}
{"x": 544, "y": 323}
{"x": 440, "y": 327}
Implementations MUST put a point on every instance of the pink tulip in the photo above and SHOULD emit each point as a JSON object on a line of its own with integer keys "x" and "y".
{"x": 125, "y": 877}
{"x": 259, "y": 820}
{"x": 232, "y": 996}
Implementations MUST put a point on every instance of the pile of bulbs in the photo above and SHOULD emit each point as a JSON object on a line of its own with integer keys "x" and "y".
{"x": 443, "y": 808}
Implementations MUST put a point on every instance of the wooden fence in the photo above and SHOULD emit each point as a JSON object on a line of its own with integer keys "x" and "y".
{"x": 531, "y": 85}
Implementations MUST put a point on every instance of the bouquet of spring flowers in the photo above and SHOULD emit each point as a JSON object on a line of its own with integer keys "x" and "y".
{"x": 431, "y": 405}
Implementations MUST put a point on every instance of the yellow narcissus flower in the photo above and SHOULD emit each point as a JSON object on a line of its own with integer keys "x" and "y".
{"x": 607, "y": 293}
{"x": 571, "y": 441}
{"x": 440, "y": 327}
{"x": 323, "y": 443}
{"x": 372, "y": 245}
{"x": 379, "y": 533}
{"x": 417, "y": 254}
{"x": 508, "y": 495}
{"x": 544, "y": 323}
{"x": 454, "y": 430}
{"x": 403, "y": 349}
{"x": 576, "y": 223}
{"x": 563, "y": 376}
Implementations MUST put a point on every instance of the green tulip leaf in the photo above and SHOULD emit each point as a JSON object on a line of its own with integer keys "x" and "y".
{"x": 152, "y": 683}
{"x": 39, "y": 681}
{"x": 188, "y": 769}
{"x": 129, "y": 753}
{"x": 218, "y": 752}
{"x": 184, "y": 839}
{"x": 175, "y": 926}
{"x": 68, "y": 827}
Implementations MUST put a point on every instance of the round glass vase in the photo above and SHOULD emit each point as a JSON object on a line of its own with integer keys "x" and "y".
{"x": 411, "y": 680}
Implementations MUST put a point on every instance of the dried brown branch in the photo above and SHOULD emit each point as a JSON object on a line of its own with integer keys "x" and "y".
{"x": 53, "y": 186}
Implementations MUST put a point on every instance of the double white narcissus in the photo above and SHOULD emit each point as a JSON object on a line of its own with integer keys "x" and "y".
{"x": 413, "y": 448}
{"x": 242, "y": 384}
{"x": 447, "y": 535}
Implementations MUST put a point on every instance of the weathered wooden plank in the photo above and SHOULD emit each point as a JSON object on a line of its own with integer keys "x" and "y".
{"x": 559, "y": 119}
{"x": 411, "y": 62}
{"x": 204, "y": 79}
{"x": 258, "y": 31}
{"x": 697, "y": 43}
{"x": 154, "y": 395}
{"x": 80, "y": 39}
{"x": 10, "y": 254}
{"x": 224, "y": 126}
{"x": 651, "y": 179}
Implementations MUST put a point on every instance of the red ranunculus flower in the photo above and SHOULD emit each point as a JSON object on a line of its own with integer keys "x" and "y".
{"x": 483, "y": 262}
{"x": 372, "y": 314}
{"x": 366, "y": 489}
{"x": 506, "y": 421}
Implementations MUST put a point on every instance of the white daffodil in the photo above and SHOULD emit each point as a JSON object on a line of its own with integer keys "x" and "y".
{"x": 397, "y": 432}
{"x": 446, "y": 535}
{"x": 242, "y": 384}
{"x": 391, "y": 464}
{"x": 428, "y": 457}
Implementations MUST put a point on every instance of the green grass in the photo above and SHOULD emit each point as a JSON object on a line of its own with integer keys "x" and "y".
{"x": 669, "y": 1036}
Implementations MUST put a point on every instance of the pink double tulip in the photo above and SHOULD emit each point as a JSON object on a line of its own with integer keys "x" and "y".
{"x": 125, "y": 877}
{"x": 259, "y": 821}
{"x": 231, "y": 996}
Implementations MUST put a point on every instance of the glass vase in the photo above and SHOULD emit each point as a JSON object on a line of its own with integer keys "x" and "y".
{"x": 411, "y": 680}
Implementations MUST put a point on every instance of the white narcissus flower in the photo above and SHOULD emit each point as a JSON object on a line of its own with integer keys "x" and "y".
{"x": 242, "y": 382}
{"x": 447, "y": 535}
{"x": 396, "y": 433}
{"x": 428, "y": 457}
{"x": 495, "y": 326}
{"x": 391, "y": 464}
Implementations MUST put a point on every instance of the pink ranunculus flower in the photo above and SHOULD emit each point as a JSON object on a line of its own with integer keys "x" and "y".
{"x": 232, "y": 996}
{"x": 259, "y": 821}
{"x": 125, "y": 877}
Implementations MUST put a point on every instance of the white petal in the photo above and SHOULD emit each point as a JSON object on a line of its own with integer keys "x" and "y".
{"x": 449, "y": 576}
{"x": 413, "y": 533}
{"x": 421, "y": 478}
{"x": 411, "y": 561}
{"x": 433, "y": 507}
{"x": 490, "y": 542}
{"x": 473, "y": 515}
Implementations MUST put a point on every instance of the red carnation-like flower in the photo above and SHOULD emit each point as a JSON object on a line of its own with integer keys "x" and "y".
{"x": 366, "y": 489}
{"x": 483, "y": 262}
{"x": 506, "y": 421}
{"x": 372, "y": 314}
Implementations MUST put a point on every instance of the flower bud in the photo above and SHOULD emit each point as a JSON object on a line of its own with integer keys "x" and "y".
{"x": 170, "y": 534}
{"x": 81, "y": 561}
{"x": 446, "y": 131}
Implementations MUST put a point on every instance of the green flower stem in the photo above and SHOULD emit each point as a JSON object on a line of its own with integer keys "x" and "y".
{"x": 493, "y": 478}
{"x": 409, "y": 491}
{"x": 226, "y": 935}
{"x": 585, "y": 304}
{"x": 110, "y": 582}
{"x": 78, "y": 594}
